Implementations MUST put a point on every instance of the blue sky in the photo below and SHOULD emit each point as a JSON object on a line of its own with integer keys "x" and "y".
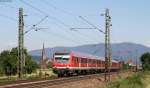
{"x": 130, "y": 20}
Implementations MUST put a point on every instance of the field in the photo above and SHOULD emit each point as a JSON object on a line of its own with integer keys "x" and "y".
{"x": 39, "y": 74}
{"x": 137, "y": 80}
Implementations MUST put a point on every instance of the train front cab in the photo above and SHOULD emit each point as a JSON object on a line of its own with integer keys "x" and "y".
{"x": 61, "y": 63}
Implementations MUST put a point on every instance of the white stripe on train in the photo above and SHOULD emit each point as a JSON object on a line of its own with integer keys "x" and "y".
{"x": 84, "y": 68}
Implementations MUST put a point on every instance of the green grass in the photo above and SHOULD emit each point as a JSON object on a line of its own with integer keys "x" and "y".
{"x": 33, "y": 76}
{"x": 134, "y": 81}
{"x": 7, "y": 80}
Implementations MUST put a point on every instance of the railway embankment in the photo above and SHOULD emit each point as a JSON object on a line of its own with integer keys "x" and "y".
{"x": 137, "y": 80}
{"x": 85, "y": 81}
{"x": 97, "y": 82}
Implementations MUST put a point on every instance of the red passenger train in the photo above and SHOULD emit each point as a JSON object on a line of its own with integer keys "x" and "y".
{"x": 67, "y": 63}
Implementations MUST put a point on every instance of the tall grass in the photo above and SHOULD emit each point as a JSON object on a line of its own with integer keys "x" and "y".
{"x": 134, "y": 81}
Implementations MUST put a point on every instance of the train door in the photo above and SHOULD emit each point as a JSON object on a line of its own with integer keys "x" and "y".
{"x": 77, "y": 61}
{"x": 87, "y": 64}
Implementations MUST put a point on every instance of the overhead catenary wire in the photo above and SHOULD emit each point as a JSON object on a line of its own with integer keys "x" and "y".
{"x": 28, "y": 4}
{"x": 45, "y": 14}
{"x": 40, "y": 21}
{"x": 42, "y": 12}
{"x": 58, "y": 9}
{"x": 77, "y": 42}
{"x": 60, "y": 36}
{"x": 10, "y": 6}
{"x": 59, "y": 21}
{"x": 16, "y": 8}
{"x": 52, "y": 17}
{"x": 78, "y": 39}
{"x": 12, "y": 19}
{"x": 66, "y": 12}
{"x": 33, "y": 26}
{"x": 92, "y": 25}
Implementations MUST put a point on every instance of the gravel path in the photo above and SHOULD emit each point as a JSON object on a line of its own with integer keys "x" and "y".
{"x": 89, "y": 83}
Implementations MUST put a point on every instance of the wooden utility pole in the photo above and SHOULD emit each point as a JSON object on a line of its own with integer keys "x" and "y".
{"x": 21, "y": 59}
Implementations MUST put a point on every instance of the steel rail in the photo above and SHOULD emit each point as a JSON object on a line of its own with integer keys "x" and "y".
{"x": 50, "y": 82}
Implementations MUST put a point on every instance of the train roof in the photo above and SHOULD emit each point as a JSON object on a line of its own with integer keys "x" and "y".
{"x": 85, "y": 55}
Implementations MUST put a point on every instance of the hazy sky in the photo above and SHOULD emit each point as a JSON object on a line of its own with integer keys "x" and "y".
{"x": 130, "y": 20}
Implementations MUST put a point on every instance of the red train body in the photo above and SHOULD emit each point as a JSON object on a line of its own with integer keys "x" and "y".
{"x": 79, "y": 63}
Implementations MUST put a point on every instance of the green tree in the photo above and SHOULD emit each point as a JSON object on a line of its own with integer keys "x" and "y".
{"x": 49, "y": 64}
{"x": 145, "y": 60}
{"x": 31, "y": 65}
{"x": 8, "y": 62}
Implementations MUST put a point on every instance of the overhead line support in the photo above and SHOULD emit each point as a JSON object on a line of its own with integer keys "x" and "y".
{"x": 21, "y": 57}
{"x": 107, "y": 45}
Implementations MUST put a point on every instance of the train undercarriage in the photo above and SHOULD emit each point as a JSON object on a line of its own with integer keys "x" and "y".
{"x": 70, "y": 72}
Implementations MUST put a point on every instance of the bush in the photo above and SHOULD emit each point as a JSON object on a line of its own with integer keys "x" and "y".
{"x": 145, "y": 59}
{"x": 9, "y": 60}
{"x": 134, "y": 81}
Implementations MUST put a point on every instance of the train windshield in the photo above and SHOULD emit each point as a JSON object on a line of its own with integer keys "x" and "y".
{"x": 62, "y": 58}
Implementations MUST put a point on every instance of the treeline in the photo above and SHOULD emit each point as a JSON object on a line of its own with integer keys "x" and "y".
{"x": 138, "y": 80}
{"x": 145, "y": 60}
{"x": 9, "y": 60}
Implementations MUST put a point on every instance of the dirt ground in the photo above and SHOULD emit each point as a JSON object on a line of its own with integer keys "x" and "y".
{"x": 90, "y": 83}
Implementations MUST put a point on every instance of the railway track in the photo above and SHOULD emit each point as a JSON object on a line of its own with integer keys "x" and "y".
{"x": 50, "y": 82}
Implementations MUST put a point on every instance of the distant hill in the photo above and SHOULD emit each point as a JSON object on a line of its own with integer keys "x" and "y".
{"x": 119, "y": 50}
{"x": 36, "y": 58}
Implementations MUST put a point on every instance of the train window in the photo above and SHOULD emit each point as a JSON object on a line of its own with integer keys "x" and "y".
{"x": 103, "y": 63}
{"x": 97, "y": 61}
{"x": 83, "y": 60}
{"x": 87, "y": 60}
{"x": 93, "y": 61}
{"x": 77, "y": 60}
{"x": 90, "y": 61}
{"x": 60, "y": 58}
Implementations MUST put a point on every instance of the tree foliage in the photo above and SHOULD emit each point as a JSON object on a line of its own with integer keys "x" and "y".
{"x": 9, "y": 59}
{"x": 145, "y": 60}
{"x": 49, "y": 64}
